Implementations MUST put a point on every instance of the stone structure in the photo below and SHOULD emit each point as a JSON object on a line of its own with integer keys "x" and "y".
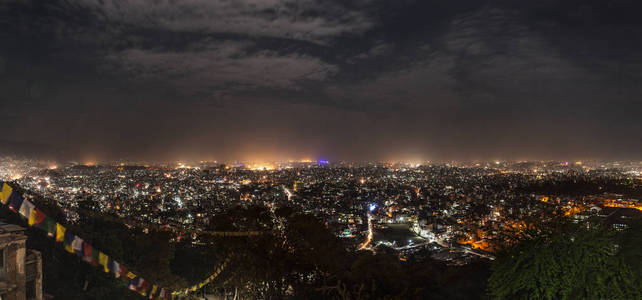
{"x": 20, "y": 269}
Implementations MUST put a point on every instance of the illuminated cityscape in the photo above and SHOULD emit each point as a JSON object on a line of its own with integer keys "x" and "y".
{"x": 450, "y": 207}
{"x": 320, "y": 149}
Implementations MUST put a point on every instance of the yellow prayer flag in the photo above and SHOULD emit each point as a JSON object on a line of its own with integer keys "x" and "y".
{"x": 5, "y": 193}
{"x": 154, "y": 288}
{"x": 103, "y": 260}
{"x": 32, "y": 217}
{"x": 60, "y": 233}
{"x": 68, "y": 247}
{"x": 131, "y": 275}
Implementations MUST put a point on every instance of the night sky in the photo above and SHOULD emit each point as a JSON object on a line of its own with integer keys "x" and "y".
{"x": 353, "y": 80}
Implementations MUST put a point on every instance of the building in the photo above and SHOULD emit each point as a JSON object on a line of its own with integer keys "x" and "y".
{"x": 20, "y": 269}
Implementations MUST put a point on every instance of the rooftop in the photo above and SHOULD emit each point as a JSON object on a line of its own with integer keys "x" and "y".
{"x": 7, "y": 228}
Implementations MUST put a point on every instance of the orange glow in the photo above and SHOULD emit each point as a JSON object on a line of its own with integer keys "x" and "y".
{"x": 570, "y": 211}
{"x": 246, "y": 197}
{"x": 261, "y": 167}
{"x": 623, "y": 204}
{"x": 478, "y": 241}
{"x": 365, "y": 244}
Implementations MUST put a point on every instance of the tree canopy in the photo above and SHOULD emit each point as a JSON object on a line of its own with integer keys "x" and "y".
{"x": 572, "y": 262}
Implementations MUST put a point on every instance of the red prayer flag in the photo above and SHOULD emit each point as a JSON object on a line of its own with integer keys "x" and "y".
{"x": 123, "y": 272}
{"x": 40, "y": 218}
{"x": 87, "y": 249}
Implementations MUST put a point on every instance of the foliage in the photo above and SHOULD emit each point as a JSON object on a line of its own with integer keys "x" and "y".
{"x": 631, "y": 250}
{"x": 569, "y": 263}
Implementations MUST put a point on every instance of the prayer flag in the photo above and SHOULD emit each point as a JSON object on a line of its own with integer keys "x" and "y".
{"x": 103, "y": 260}
{"x": 152, "y": 292}
{"x": 67, "y": 243}
{"x": 38, "y": 217}
{"x": 144, "y": 287}
{"x": 95, "y": 257}
{"x": 110, "y": 265}
{"x": 32, "y": 217}
{"x": 88, "y": 253}
{"x": 123, "y": 271}
{"x": 15, "y": 201}
{"x": 131, "y": 275}
{"x": 49, "y": 225}
{"x": 26, "y": 208}
{"x": 60, "y": 233}
{"x": 133, "y": 283}
{"x": 5, "y": 193}
{"x": 116, "y": 269}
{"x": 76, "y": 244}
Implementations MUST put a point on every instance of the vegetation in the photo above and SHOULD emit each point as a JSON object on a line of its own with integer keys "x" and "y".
{"x": 569, "y": 262}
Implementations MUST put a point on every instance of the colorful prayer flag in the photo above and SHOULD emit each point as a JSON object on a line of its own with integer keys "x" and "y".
{"x": 123, "y": 271}
{"x": 32, "y": 218}
{"x": 49, "y": 225}
{"x": 26, "y": 208}
{"x": 15, "y": 201}
{"x": 110, "y": 265}
{"x": 88, "y": 253}
{"x": 76, "y": 244}
{"x": 133, "y": 283}
{"x": 95, "y": 257}
{"x": 144, "y": 287}
{"x": 5, "y": 193}
{"x": 152, "y": 292}
{"x": 131, "y": 275}
{"x": 116, "y": 269}
{"x": 60, "y": 233}
{"x": 103, "y": 260}
{"x": 67, "y": 243}
{"x": 37, "y": 218}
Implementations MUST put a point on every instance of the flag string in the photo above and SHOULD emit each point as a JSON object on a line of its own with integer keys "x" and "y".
{"x": 75, "y": 245}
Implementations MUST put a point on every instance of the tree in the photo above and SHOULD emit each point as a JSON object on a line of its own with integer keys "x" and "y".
{"x": 575, "y": 263}
{"x": 631, "y": 252}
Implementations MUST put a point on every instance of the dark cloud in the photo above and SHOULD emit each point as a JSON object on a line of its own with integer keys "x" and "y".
{"x": 340, "y": 79}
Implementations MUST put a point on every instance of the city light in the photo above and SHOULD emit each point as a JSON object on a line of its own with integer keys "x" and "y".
{"x": 439, "y": 211}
